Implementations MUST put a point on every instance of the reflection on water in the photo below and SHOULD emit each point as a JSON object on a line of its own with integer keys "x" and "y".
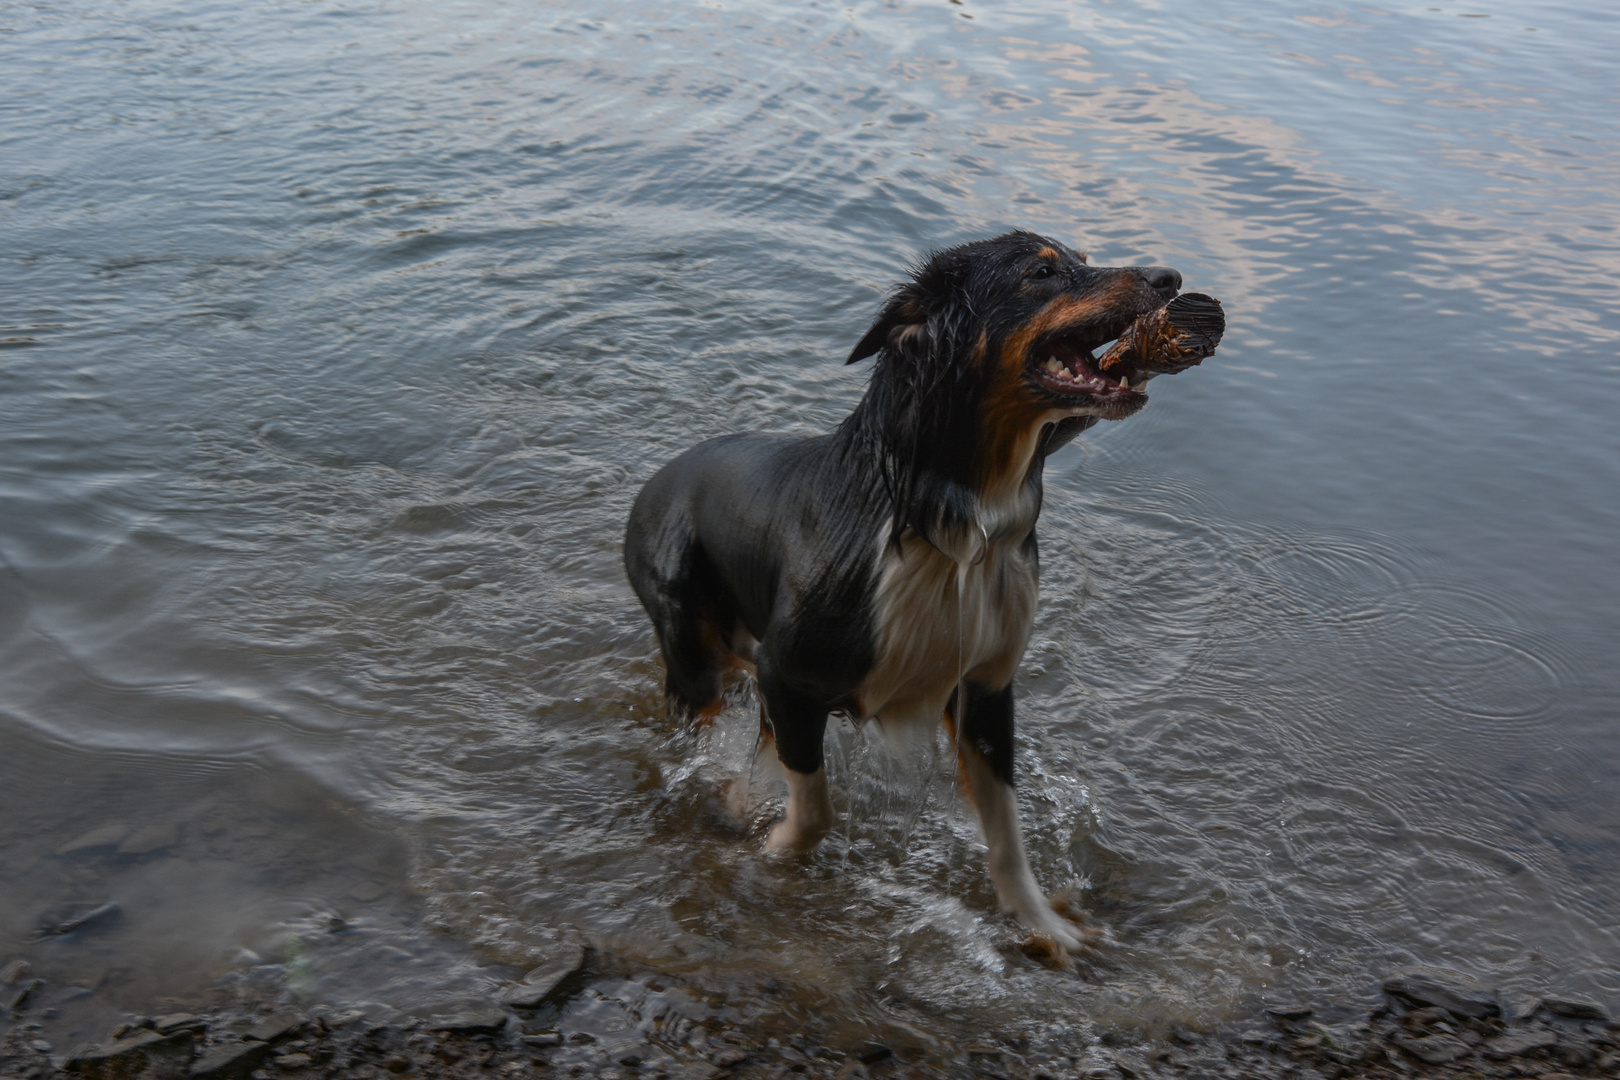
{"x": 336, "y": 343}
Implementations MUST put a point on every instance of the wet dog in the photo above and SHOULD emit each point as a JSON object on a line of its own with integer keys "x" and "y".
{"x": 889, "y": 569}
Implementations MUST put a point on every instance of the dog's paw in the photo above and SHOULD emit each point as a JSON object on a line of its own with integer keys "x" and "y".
{"x": 787, "y": 838}
{"x": 1066, "y": 906}
{"x": 1045, "y": 949}
{"x": 1057, "y": 929}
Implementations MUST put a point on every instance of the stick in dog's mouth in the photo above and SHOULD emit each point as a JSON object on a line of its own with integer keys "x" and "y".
{"x": 1164, "y": 341}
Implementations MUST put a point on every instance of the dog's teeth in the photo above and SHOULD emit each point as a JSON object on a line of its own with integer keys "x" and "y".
{"x": 1053, "y": 366}
{"x": 1124, "y": 383}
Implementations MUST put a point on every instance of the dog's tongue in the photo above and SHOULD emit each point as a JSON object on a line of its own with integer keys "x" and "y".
{"x": 1172, "y": 338}
{"x": 1078, "y": 362}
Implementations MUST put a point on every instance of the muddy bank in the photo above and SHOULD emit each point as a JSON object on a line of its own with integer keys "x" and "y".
{"x": 644, "y": 1025}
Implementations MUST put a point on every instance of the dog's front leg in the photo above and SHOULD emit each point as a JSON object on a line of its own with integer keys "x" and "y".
{"x": 798, "y": 724}
{"x": 985, "y": 740}
{"x": 809, "y": 813}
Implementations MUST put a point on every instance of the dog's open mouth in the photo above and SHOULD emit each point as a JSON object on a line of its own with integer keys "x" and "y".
{"x": 1067, "y": 365}
{"x": 1168, "y": 339}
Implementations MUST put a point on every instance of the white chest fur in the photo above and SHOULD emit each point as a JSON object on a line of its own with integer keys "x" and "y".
{"x": 938, "y": 619}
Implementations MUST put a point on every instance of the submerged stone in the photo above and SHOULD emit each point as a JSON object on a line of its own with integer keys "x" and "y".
{"x": 1458, "y": 996}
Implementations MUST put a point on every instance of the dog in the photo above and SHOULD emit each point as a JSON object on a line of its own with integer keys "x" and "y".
{"x": 889, "y": 569}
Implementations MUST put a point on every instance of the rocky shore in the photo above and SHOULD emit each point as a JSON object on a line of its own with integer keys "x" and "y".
{"x": 1427, "y": 1026}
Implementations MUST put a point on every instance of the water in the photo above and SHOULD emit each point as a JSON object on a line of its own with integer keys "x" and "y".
{"x": 337, "y": 339}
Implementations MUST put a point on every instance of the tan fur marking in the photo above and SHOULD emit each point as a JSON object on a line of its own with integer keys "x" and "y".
{"x": 1012, "y": 408}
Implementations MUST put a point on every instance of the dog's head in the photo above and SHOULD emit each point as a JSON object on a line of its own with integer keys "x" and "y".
{"x": 1020, "y": 315}
{"x": 991, "y": 341}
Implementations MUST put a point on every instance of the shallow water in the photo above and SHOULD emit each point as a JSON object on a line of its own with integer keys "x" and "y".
{"x": 337, "y": 339}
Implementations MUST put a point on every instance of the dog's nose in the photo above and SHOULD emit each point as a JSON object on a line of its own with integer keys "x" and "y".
{"x": 1162, "y": 278}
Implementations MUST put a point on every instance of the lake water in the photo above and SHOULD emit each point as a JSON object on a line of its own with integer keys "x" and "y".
{"x": 335, "y": 340}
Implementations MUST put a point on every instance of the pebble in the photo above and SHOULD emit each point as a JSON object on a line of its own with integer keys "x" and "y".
{"x": 294, "y": 1061}
{"x": 544, "y": 1038}
{"x": 1574, "y": 1010}
{"x": 1290, "y": 1012}
{"x": 470, "y": 1022}
{"x": 15, "y": 972}
{"x": 367, "y": 891}
{"x": 176, "y": 1021}
{"x": 1520, "y": 1041}
{"x": 26, "y": 991}
{"x": 1434, "y": 1049}
{"x": 872, "y": 1053}
{"x": 71, "y": 917}
{"x": 275, "y": 1027}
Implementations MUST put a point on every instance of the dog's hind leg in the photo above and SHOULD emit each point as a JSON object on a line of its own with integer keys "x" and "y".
{"x": 798, "y": 725}
{"x": 985, "y": 742}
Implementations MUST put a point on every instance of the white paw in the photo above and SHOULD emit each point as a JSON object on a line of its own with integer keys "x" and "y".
{"x": 1068, "y": 935}
{"x": 785, "y": 836}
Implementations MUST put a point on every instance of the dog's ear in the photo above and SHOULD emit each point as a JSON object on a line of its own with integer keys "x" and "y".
{"x": 900, "y": 312}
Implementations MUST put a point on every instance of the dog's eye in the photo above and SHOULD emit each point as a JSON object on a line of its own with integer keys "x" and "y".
{"x": 1042, "y": 271}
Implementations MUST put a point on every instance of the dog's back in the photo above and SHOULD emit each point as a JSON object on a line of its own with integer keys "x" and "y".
{"x": 749, "y": 537}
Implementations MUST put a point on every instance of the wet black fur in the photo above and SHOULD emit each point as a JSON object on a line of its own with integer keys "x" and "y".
{"x": 779, "y": 536}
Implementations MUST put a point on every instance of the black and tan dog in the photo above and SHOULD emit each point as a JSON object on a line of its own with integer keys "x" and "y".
{"x": 889, "y": 570}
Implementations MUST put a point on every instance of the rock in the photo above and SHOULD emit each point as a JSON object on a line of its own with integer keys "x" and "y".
{"x": 542, "y": 1039}
{"x": 15, "y": 972}
{"x": 1519, "y": 1041}
{"x": 66, "y": 918}
{"x": 526, "y": 997}
{"x": 1576, "y": 1055}
{"x": 1458, "y": 996}
{"x": 165, "y": 1057}
{"x": 1574, "y": 1010}
{"x": 294, "y": 1061}
{"x": 149, "y": 839}
{"x": 275, "y": 1027}
{"x": 872, "y": 1053}
{"x": 555, "y": 978}
{"x": 230, "y": 1061}
{"x": 472, "y": 1022}
{"x": 173, "y": 1022}
{"x": 1289, "y": 1012}
{"x": 101, "y": 836}
{"x": 725, "y": 1059}
{"x": 1434, "y": 1049}
{"x": 39, "y": 1046}
{"x": 396, "y": 1063}
{"x": 367, "y": 891}
{"x": 20, "y": 999}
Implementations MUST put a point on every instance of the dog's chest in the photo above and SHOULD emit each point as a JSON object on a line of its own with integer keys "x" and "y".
{"x": 937, "y": 620}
